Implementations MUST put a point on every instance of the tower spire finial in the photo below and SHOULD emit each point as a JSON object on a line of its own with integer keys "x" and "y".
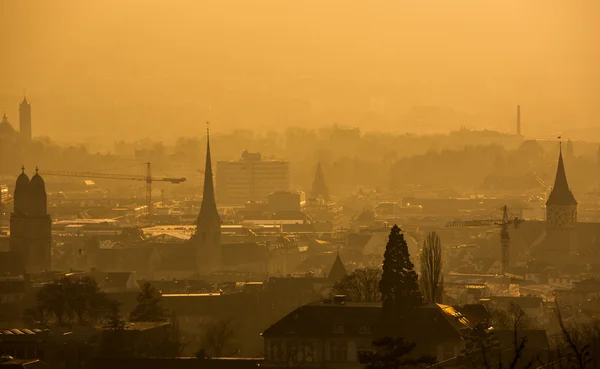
{"x": 36, "y": 169}
{"x": 560, "y": 142}
{"x": 22, "y": 168}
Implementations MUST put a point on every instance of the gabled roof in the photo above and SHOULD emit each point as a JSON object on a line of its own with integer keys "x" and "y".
{"x": 475, "y": 313}
{"x": 561, "y": 194}
{"x": 115, "y": 280}
{"x": 337, "y": 271}
{"x": 433, "y": 322}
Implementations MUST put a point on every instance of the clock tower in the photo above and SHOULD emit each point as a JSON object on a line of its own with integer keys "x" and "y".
{"x": 561, "y": 211}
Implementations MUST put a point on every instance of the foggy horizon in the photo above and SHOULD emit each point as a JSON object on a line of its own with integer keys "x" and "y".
{"x": 300, "y": 184}
{"x": 126, "y": 69}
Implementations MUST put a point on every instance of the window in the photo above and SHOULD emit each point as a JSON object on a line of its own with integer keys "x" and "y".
{"x": 364, "y": 329}
{"x": 339, "y": 351}
{"x": 338, "y": 328}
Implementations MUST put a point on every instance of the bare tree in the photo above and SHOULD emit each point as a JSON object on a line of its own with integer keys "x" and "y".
{"x": 518, "y": 316}
{"x": 362, "y": 285}
{"x": 217, "y": 338}
{"x": 580, "y": 351}
{"x": 483, "y": 350}
{"x": 431, "y": 276}
{"x": 507, "y": 318}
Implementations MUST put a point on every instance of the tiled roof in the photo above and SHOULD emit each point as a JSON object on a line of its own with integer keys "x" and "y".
{"x": 318, "y": 319}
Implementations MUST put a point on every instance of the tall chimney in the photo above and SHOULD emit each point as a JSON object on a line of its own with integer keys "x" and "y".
{"x": 518, "y": 120}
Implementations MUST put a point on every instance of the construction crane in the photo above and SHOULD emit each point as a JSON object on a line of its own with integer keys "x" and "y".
{"x": 504, "y": 236}
{"x": 148, "y": 178}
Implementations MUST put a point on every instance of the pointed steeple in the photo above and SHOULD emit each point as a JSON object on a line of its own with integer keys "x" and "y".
{"x": 561, "y": 194}
{"x": 208, "y": 216}
{"x": 337, "y": 271}
{"x": 319, "y": 187}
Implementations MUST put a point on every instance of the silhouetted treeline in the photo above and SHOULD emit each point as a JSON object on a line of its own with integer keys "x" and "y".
{"x": 351, "y": 159}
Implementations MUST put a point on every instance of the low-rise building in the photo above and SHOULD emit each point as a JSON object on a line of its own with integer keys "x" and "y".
{"x": 332, "y": 333}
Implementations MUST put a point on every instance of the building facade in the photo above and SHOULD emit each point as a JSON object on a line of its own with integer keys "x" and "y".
{"x": 250, "y": 179}
{"x": 333, "y": 333}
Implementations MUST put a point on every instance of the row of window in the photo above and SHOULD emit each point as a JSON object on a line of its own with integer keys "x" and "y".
{"x": 339, "y": 328}
{"x": 299, "y": 352}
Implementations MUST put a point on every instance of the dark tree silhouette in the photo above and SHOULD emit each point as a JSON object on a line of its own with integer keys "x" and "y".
{"x": 362, "y": 285}
{"x": 217, "y": 339}
{"x": 391, "y": 353}
{"x": 479, "y": 351}
{"x": 148, "y": 307}
{"x": 71, "y": 297}
{"x": 431, "y": 277}
{"x": 399, "y": 282}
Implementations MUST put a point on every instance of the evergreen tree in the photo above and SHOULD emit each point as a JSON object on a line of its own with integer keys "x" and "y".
{"x": 148, "y": 307}
{"x": 399, "y": 282}
{"x": 431, "y": 269}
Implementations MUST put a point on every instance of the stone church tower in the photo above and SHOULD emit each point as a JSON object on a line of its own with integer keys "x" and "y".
{"x": 207, "y": 238}
{"x": 30, "y": 224}
{"x": 561, "y": 213}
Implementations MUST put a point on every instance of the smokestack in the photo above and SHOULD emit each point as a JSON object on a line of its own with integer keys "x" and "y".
{"x": 518, "y": 120}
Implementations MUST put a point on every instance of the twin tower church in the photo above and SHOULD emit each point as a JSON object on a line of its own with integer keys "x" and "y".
{"x": 30, "y": 226}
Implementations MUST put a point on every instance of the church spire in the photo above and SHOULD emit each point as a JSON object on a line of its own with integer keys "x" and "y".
{"x": 561, "y": 193}
{"x": 208, "y": 216}
{"x": 319, "y": 187}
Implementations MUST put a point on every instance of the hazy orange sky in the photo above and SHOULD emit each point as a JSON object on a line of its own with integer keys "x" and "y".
{"x": 144, "y": 68}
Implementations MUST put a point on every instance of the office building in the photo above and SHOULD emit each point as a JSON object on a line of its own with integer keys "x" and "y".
{"x": 250, "y": 179}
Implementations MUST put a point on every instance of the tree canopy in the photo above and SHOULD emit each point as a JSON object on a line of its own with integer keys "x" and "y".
{"x": 69, "y": 298}
{"x": 148, "y": 307}
{"x": 431, "y": 276}
{"x": 362, "y": 285}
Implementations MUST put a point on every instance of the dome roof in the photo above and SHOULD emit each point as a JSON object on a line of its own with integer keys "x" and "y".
{"x": 37, "y": 195}
{"x": 5, "y": 127}
{"x": 21, "y": 193}
{"x": 37, "y": 183}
